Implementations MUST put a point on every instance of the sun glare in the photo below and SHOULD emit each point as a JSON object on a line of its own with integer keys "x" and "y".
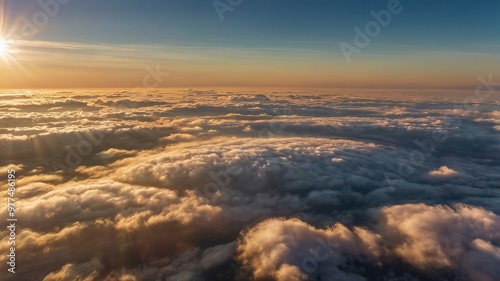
{"x": 4, "y": 47}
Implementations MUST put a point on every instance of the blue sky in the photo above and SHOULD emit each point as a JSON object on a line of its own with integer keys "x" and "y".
{"x": 439, "y": 23}
{"x": 308, "y": 29}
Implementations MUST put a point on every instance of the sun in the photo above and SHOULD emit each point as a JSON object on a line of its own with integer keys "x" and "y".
{"x": 4, "y": 47}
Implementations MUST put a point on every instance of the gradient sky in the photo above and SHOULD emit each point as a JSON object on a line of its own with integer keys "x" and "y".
{"x": 282, "y": 43}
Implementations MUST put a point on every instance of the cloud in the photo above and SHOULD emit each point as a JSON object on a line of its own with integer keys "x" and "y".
{"x": 443, "y": 173}
{"x": 283, "y": 249}
{"x": 86, "y": 272}
{"x": 430, "y": 238}
{"x": 225, "y": 185}
{"x": 439, "y": 236}
{"x": 250, "y": 98}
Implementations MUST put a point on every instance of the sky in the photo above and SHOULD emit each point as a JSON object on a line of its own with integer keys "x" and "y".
{"x": 292, "y": 43}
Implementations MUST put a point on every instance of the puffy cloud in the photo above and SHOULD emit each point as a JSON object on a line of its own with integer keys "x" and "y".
{"x": 443, "y": 173}
{"x": 179, "y": 137}
{"x": 283, "y": 249}
{"x": 430, "y": 238}
{"x": 440, "y": 236}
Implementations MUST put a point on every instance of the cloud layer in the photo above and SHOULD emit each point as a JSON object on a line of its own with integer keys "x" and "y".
{"x": 213, "y": 185}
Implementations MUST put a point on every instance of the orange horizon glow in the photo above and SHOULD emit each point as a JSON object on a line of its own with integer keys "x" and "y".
{"x": 35, "y": 63}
